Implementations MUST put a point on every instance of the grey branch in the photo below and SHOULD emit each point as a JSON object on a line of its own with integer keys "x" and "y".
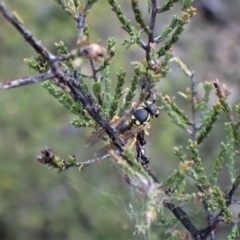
{"x": 27, "y": 80}
{"x": 193, "y": 98}
{"x": 88, "y": 163}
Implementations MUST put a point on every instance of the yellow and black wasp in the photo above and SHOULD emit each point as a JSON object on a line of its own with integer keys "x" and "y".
{"x": 137, "y": 122}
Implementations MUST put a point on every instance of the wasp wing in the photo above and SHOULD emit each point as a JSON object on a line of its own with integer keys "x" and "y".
{"x": 130, "y": 133}
{"x": 95, "y": 137}
{"x": 101, "y": 133}
{"x": 103, "y": 151}
{"x": 126, "y": 136}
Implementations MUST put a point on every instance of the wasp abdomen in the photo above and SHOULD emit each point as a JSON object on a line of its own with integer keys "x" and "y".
{"x": 140, "y": 116}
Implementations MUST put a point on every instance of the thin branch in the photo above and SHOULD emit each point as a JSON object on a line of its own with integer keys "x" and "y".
{"x": 89, "y": 162}
{"x": 231, "y": 192}
{"x": 63, "y": 58}
{"x": 153, "y": 14}
{"x": 189, "y": 132}
{"x": 236, "y": 202}
{"x": 48, "y": 157}
{"x": 159, "y": 38}
{"x": 81, "y": 18}
{"x": 193, "y": 99}
{"x": 94, "y": 71}
{"x": 182, "y": 216}
{"x": 210, "y": 216}
{"x": 27, "y": 80}
{"x": 81, "y": 27}
{"x": 143, "y": 45}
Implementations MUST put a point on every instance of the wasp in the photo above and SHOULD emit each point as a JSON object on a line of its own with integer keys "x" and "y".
{"x": 137, "y": 122}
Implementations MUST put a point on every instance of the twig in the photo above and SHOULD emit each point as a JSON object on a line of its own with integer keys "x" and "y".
{"x": 235, "y": 201}
{"x": 48, "y": 157}
{"x": 153, "y": 14}
{"x": 189, "y": 132}
{"x": 182, "y": 216}
{"x": 81, "y": 18}
{"x": 193, "y": 99}
{"x": 81, "y": 27}
{"x": 28, "y": 80}
{"x": 231, "y": 192}
{"x": 63, "y": 58}
{"x": 94, "y": 71}
{"x": 89, "y": 162}
{"x": 209, "y": 217}
{"x": 209, "y": 214}
{"x": 143, "y": 45}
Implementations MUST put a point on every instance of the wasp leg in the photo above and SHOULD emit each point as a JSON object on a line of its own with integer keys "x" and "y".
{"x": 147, "y": 126}
{"x": 114, "y": 119}
{"x": 132, "y": 144}
{"x": 134, "y": 104}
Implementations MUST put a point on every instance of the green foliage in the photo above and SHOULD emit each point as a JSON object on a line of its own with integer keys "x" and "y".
{"x": 230, "y": 152}
{"x": 197, "y": 166}
{"x": 138, "y": 16}
{"x": 234, "y": 233}
{"x": 175, "y": 180}
{"x": 173, "y": 114}
{"x": 38, "y": 64}
{"x": 126, "y": 25}
{"x": 62, "y": 50}
{"x": 107, "y": 99}
{"x": 177, "y": 26}
{"x": 130, "y": 95}
{"x": 218, "y": 165}
{"x": 204, "y": 103}
{"x": 135, "y": 165}
{"x": 118, "y": 93}
{"x": 208, "y": 123}
{"x": 218, "y": 197}
{"x": 97, "y": 89}
{"x": 167, "y": 5}
{"x": 110, "y": 53}
{"x": 84, "y": 120}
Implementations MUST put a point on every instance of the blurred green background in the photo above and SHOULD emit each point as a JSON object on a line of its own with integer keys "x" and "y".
{"x": 38, "y": 203}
